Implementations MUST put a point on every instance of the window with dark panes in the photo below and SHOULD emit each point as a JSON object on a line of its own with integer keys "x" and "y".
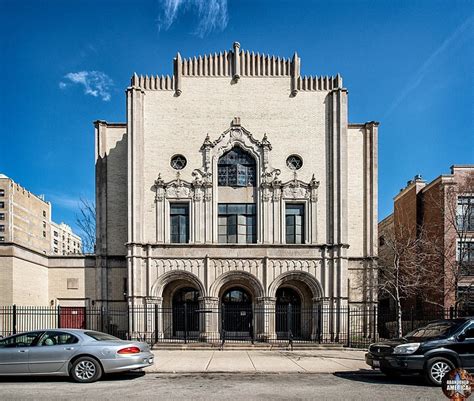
{"x": 465, "y": 256}
{"x": 236, "y": 168}
{"x": 294, "y": 223}
{"x": 2, "y": 192}
{"x": 237, "y": 223}
{"x": 2, "y": 216}
{"x": 2, "y": 205}
{"x": 465, "y": 213}
{"x": 179, "y": 218}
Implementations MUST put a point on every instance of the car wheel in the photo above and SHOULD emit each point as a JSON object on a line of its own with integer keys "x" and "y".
{"x": 436, "y": 368}
{"x": 86, "y": 370}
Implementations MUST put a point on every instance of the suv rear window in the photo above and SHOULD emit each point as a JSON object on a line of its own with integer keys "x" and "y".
{"x": 435, "y": 329}
{"x": 96, "y": 335}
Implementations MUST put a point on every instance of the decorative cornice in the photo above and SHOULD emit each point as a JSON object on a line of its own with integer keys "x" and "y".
{"x": 237, "y": 63}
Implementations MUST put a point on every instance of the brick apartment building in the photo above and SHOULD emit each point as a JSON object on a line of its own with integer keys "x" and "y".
{"x": 439, "y": 217}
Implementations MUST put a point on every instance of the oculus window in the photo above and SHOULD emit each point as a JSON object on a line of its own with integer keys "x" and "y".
{"x": 179, "y": 219}
{"x": 294, "y": 162}
{"x": 178, "y": 162}
{"x": 236, "y": 168}
{"x": 237, "y": 223}
{"x": 294, "y": 223}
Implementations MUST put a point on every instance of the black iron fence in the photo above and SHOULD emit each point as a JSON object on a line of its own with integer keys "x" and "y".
{"x": 284, "y": 324}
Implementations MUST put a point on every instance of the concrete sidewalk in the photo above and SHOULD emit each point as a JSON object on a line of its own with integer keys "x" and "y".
{"x": 212, "y": 361}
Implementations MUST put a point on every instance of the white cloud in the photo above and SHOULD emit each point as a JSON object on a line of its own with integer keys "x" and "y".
{"x": 95, "y": 83}
{"x": 419, "y": 75}
{"x": 63, "y": 200}
{"x": 210, "y": 14}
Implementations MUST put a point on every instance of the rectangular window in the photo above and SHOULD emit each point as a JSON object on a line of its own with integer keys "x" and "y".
{"x": 55, "y": 233}
{"x": 179, "y": 218}
{"x": 2, "y": 239}
{"x": 294, "y": 223}
{"x": 2, "y": 192}
{"x": 44, "y": 234}
{"x": 55, "y": 242}
{"x": 237, "y": 223}
{"x": 2, "y": 216}
{"x": 44, "y": 213}
{"x": 465, "y": 213}
{"x": 2, "y": 228}
{"x": 2, "y": 205}
{"x": 465, "y": 256}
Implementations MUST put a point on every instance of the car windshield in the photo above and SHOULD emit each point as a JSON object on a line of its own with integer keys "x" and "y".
{"x": 96, "y": 335}
{"x": 435, "y": 329}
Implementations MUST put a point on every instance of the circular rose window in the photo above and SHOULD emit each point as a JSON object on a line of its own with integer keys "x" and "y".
{"x": 294, "y": 162}
{"x": 178, "y": 162}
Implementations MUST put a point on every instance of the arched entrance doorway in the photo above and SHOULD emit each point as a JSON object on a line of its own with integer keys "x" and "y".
{"x": 237, "y": 316}
{"x": 288, "y": 313}
{"x": 185, "y": 303}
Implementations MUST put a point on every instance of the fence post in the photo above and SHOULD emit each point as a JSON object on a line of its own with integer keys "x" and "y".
{"x": 374, "y": 323}
{"x": 348, "y": 326}
{"x": 156, "y": 323}
{"x": 222, "y": 325}
{"x": 289, "y": 322}
{"x": 58, "y": 309}
{"x": 185, "y": 323}
{"x": 102, "y": 318}
{"x": 451, "y": 312}
{"x": 14, "y": 319}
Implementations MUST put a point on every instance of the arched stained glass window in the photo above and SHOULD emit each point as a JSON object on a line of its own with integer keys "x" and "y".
{"x": 236, "y": 168}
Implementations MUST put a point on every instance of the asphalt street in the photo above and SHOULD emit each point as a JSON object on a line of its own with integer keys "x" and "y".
{"x": 223, "y": 386}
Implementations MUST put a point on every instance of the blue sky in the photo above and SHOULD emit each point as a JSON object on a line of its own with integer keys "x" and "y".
{"x": 64, "y": 64}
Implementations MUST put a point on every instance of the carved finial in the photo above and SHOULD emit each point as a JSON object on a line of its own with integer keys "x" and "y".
{"x": 159, "y": 182}
{"x": 178, "y": 178}
{"x": 266, "y": 142}
{"x": 207, "y": 143}
{"x": 235, "y": 121}
{"x": 295, "y": 177}
{"x": 313, "y": 183}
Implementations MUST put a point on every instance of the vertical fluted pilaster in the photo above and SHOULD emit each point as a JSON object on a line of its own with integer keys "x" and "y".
{"x": 236, "y": 61}
{"x": 295, "y": 74}
{"x": 177, "y": 73}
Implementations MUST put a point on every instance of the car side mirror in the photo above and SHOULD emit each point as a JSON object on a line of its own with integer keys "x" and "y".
{"x": 461, "y": 337}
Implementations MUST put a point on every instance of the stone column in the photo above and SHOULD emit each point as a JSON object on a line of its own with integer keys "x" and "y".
{"x": 265, "y": 318}
{"x": 317, "y": 322}
{"x": 152, "y": 318}
{"x": 209, "y": 320}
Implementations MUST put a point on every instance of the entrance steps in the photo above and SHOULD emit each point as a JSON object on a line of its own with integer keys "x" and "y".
{"x": 236, "y": 346}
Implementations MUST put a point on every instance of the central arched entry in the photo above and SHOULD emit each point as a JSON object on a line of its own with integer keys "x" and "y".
{"x": 185, "y": 319}
{"x": 237, "y": 316}
{"x": 288, "y": 312}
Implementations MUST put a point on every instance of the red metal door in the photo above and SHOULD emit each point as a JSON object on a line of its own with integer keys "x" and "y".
{"x": 72, "y": 317}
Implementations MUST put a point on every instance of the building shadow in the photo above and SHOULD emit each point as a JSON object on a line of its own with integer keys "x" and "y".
{"x": 59, "y": 379}
{"x": 369, "y": 376}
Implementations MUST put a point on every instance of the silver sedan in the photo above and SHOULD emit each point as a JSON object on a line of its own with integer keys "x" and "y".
{"x": 83, "y": 355}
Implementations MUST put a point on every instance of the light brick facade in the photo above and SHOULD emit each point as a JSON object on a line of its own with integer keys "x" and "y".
{"x": 213, "y": 104}
{"x": 29, "y": 273}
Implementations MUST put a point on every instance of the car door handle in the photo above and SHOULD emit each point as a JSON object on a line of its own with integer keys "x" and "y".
{"x": 69, "y": 348}
{"x": 23, "y": 350}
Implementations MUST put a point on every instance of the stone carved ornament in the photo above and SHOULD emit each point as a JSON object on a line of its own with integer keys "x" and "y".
{"x": 201, "y": 186}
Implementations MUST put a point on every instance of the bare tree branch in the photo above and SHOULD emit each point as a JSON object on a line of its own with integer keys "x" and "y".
{"x": 86, "y": 220}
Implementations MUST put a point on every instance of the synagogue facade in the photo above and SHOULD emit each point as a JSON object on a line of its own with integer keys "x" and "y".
{"x": 236, "y": 182}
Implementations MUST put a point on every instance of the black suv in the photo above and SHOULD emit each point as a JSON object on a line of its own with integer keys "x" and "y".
{"x": 433, "y": 350}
